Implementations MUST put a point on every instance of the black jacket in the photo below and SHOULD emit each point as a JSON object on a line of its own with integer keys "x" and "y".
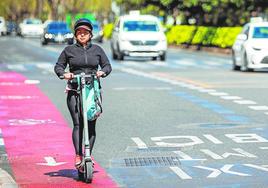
{"x": 82, "y": 59}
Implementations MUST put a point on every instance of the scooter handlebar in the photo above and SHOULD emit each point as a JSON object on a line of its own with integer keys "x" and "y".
{"x": 82, "y": 74}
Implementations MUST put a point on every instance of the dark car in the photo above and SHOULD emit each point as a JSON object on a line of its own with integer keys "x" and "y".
{"x": 12, "y": 27}
{"x": 57, "y": 32}
{"x": 97, "y": 32}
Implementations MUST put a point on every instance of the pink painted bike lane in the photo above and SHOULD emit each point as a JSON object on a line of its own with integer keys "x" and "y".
{"x": 37, "y": 138}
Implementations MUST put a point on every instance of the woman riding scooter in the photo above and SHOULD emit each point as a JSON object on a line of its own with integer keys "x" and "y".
{"x": 83, "y": 56}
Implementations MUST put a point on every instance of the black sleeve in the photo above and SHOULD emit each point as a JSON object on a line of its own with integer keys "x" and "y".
{"x": 105, "y": 63}
{"x": 61, "y": 64}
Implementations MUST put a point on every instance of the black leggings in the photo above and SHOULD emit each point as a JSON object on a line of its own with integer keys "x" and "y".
{"x": 73, "y": 104}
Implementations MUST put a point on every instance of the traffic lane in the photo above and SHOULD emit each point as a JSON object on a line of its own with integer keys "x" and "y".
{"x": 20, "y": 50}
{"x": 220, "y": 132}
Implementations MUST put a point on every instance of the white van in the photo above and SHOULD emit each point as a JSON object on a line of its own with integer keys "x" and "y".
{"x": 3, "y": 27}
{"x": 138, "y": 36}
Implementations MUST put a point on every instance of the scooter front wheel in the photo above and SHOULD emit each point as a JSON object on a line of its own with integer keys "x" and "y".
{"x": 88, "y": 175}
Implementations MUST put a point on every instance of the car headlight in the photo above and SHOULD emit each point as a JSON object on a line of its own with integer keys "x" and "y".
{"x": 48, "y": 36}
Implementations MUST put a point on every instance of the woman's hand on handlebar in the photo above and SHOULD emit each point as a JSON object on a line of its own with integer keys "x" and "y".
{"x": 68, "y": 76}
{"x": 100, "y": 74}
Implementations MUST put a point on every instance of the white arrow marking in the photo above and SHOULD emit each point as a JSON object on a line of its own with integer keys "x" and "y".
{"x": 225, "y": 169}
{"x": 50, "y": 161}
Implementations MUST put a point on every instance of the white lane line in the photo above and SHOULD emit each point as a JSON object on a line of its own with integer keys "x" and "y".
{"x": 179, "y": 172}
{"x": 244, "y": 102}
{"x": 46, "y": 66}
{"x": 186, "y": 62}
{"x": 17, "y": 67}
{"x": 218, "y": 93}
{"x": 203, "y": 90}
{"x": 264, "y": 148}
{"x": 141, "y": 88}
{"x": 139, "y": 142}
{"x": 31, "y": 81}
{"x": 258, "y": 108}
{"x": 182, "y": 84}
{"x": 231, "y": 97}
{"x": 6, "y": 181}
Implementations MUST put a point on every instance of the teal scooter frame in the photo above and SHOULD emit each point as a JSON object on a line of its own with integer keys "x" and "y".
{"x": 85, "y": 169}
{"x": 85, "y": 172}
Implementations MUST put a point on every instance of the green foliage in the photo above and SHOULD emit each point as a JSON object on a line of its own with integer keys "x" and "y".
{"x": 107, "y": 30}
{"x": 204, "y": 35}
{"x": 180, "y": 34}
{"x": 222, "y": 37}
{"x": 225, "y": 36}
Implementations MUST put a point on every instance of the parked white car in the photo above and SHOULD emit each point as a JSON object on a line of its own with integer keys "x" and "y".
{"x": 31, "y": 27}
{"x": 138, "y": 36}
{"x": 3, "y": 27}
{"x": 250, "y": 50}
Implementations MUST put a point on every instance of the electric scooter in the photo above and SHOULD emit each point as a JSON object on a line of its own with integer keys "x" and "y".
{"x": 85, "y": 169}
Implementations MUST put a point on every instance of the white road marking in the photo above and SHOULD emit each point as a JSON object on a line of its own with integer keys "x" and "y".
{"x": 179, "y": 172}
{"x": 191, "y": 86}
{"x": 14, "y": 97}
{"x": 49, "y": 67}
{"x": 258, "y": 108}
{"x": 203, "y": 90}
{"x": 244, "y": 102}
{"x": 139, "y": 142}
{"x": 185, "y": 157}
{"x": 264, "y": 148}
{"x": 10, "y": 83}
{"x": 31, "y": 81}
{"x": 186, "y": 62}
{"x": 213, "y": 139}
{"x": 6, "y": 181}
{"x": 2, "y": 142}
{"x": 225, "y": 169}
{"x": 17, "y": 67}
{"x": 50, "y": 161}
{"x": 258, "y": 167}
{"x": 218, "y": 93}
{"x": 231, "y": 97}
{"x": 141, "y": 88}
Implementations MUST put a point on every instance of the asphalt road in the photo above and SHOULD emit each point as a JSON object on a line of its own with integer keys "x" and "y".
{"x": 190, "y": 121}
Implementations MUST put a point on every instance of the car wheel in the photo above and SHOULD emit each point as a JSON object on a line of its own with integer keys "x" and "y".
{"x": 235, "y": 67}
{"x": 163, "y": 57}
{"x": 44, "y": 42}
{"x": 120, "y": 56}
{"x": 114, "y": 54}
{"x": 244, "y": 67}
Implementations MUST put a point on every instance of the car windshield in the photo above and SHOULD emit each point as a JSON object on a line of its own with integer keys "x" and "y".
{"x": 57, "y": 26}
{"x": 260, "y": 32}
{"x": 33, "y": 21}
{"x": 140, "y": 26}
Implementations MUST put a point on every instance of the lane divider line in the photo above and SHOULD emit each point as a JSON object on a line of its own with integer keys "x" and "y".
{"x": 193, "y": 85}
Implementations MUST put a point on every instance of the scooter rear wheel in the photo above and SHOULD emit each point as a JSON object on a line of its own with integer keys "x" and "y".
{"x": 88, "y": 175}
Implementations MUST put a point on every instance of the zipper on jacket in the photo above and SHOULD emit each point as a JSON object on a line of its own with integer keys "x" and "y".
{"x": 85, "y": 53}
